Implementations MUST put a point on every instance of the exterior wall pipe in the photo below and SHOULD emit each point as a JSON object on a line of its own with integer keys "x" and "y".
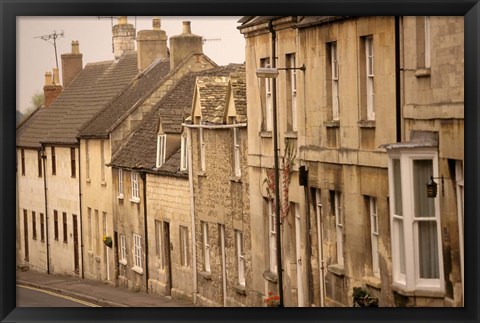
{"x": 145, "y": 226}
{"x": 80, "y": 212}
{"x": 192, "y": 213}
{"x": 44, "y": 157}
{"x": 398, "y": 105}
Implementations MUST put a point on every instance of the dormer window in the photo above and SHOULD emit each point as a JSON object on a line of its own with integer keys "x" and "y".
{"x": 161, "y": 149}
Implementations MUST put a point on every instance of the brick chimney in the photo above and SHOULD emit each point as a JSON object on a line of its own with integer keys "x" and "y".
{"x": 72, "y": 64}
{"x": 52, "y": 87}
{"x": 151, "y": 44}
{"x": 183, "y": 45}
{"x": 123, "y": 37}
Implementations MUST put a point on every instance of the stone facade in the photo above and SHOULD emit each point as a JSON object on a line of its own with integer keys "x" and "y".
{"x": 168, "y": 210}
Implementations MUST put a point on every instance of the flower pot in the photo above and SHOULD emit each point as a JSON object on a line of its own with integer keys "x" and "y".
{"x": 108, "y": 241}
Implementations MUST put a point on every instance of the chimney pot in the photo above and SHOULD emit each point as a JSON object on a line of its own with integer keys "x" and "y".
{"x": 48, "y": 79}
{"x": 156, "y": 24}
{"x": 56, "y": 77}
{"x": 186, "y": 27}
{"x": 75, "y": 47}
{"x": 122, "y": 20}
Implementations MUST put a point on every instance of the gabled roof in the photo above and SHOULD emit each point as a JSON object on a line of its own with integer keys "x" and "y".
{"x": 138, "y": 90}
{"x": 94, "y": 87}
{"x": 140, "y": 149}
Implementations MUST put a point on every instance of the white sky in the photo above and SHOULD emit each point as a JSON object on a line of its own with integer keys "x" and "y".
{"x": 36, "y": 56}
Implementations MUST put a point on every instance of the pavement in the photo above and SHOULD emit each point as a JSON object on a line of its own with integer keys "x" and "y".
{"x": 96, "y": 292}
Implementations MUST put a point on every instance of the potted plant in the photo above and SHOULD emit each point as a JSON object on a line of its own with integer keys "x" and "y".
{"x": 362, "y": 298}
{"x": 272, "y": 300}
{"x": 107, "y": 240}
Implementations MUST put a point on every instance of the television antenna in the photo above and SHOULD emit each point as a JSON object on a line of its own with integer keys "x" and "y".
{"x": 204, "y": 40}
{"x": 111, "y": 21}
{"x": 48, "y": 39}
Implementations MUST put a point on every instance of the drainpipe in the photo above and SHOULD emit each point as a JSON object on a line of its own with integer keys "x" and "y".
{"x": 144, "y": 179}
{"x": 398, "y": 106}
{"x": 80, "y": 213}
{"x": 192, "y": 212}
{"x": 308, "y": 242}
{"x": 44, "y": 157}
{"x": 277, "y": 185}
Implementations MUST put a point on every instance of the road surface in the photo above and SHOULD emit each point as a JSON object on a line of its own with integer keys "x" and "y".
{"x": 33, "y": 297}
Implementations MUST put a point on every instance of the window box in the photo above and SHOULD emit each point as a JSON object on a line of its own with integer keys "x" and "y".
{"x": 336, "y": 269}
{"x": 422, "y": 72}
{"x": 207, "y": 275}
{"x": 135, "y": 200}
{"x": 270, "y": 276}
{"x": 240, "y": 289}
{"x": 138, "y": 270}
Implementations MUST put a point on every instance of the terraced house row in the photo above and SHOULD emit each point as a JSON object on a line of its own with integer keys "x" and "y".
{"x": 156, "y": 171}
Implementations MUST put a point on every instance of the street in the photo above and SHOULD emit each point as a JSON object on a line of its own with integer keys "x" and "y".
{"x": 34, "y": 297}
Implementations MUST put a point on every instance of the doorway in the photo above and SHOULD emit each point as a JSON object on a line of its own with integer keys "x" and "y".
{"x": 298, "y": 252}
{"x": 76, "y": 255}
{"x": 168, "y": 262}
{"x": 25, "y": 233}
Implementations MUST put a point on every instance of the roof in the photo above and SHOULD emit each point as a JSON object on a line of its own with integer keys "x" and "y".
{"x": 247, "y": 21}
{"x": 418, "y": 139}
{"x": 138, "y": 90}
{"x": 303, "y": 21}
{"x": 140, "y": 149}
{"x": 93, "y": 88}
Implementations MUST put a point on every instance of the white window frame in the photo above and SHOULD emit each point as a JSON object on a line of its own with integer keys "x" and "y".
{"x": 240, "y": 257}
{"x": 427, "y": 41}
{"x": 102, "y": 161}
{"x": 272, "y": 238}
{"x": 184, "y": 153}
{"x": 293, "y": 89}
{"x": 202, "y": 150}
{"x": 123, "y": 250}
{"x": 410, "y": 280}
{"x": 161, "y": 149}
{"x": 335, "y": 77}
{"x": 372, "y": 201}
{"x": 369, "y": 71}
{"x": 236, "y": 151}
{"x": 137, "y": 253}
{"x": 268, "y": 98}
{"x": 184, "y": 256}
{"x": 135, "y": 187}
{"x": 339, "y": 222}
{"x": 120, "y": 183}
{"x": 206, "y": 247}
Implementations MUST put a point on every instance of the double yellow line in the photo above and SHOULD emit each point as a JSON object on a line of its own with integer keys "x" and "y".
{"x": 59, "y": 295}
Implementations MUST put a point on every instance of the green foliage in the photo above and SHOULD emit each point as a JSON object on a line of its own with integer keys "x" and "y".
{"x": 362, "y": 298}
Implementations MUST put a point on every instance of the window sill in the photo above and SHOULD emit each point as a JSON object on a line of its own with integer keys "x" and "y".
{"x": 372, "y": 281}
{"x": 135, "y": 200}
{"x": 240, "y": 289}
{"x": 202, "y": 174}
{"x": 422, "y": 72}
{"x": 291, "y": 134}
{"x": 332, "y": 123}
{"x": 90, "y": 253}
{"x": 122, "y": 262}
{"x": 207, "y": 275}
{"x": 120, "y": 196}
{"x": 418, "y": 292}
{"x": 337, "y": 270}
{"x": 138, "y": 270}
{"x": 265, "y": 134}
{"x": 270, "y": 276}
{"x": 103, "y": 183}
{"x": 366, "y": 124}
{"x": 88, "y": 180}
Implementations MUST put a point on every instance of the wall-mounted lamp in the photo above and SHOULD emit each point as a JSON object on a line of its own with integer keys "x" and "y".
{"x": 432, "y": 187}
{"x": 272, "y": 72}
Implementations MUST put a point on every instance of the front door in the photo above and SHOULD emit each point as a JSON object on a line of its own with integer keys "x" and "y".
{"x": 168, "y": 262}
{"x": 224, "y": 271}
{"x": 75, "y": 245}
{"x": 298, "y": 252}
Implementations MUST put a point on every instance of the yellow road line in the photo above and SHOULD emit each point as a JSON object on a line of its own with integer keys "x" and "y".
{"x": 61, "y": 296}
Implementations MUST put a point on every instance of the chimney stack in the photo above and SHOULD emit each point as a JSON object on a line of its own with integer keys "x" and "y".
{"x": 183, "y": 45}
{"x": 123, "y": 37}
{"x": 151, "y": 44}
{"x": 52, "y": 87}
{"x": 72, "y": 64}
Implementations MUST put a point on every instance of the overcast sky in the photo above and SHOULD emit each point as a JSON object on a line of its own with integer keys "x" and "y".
{"x": 36, "y": 56}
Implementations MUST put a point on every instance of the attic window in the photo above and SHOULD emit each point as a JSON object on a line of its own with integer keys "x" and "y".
{"x": 161, "y": 149}
{"x": 184, "y": 155}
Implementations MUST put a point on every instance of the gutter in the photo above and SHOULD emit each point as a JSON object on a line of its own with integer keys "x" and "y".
{"x": 220, "y": 126}
{"x": 80, "y": 212}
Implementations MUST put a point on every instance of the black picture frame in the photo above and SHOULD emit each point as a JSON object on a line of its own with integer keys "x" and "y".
{"x": 11, "y": 9}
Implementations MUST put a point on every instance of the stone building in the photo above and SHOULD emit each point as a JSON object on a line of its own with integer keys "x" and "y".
{"x": 152, "y": 164}
{"x": 335, "y": 119}
{"x": 48, "y": 156}
{"x": 104, "y": 135}
{"x": 217, "y": 128}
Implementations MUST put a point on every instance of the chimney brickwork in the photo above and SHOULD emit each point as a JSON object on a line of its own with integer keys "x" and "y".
{"x": 123, "y": 37}
{"x": 151, "y": 45}
{"x": 72, "y": 64}
{"x": 52, "y": 87}
{"x": 181, "y": 46}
